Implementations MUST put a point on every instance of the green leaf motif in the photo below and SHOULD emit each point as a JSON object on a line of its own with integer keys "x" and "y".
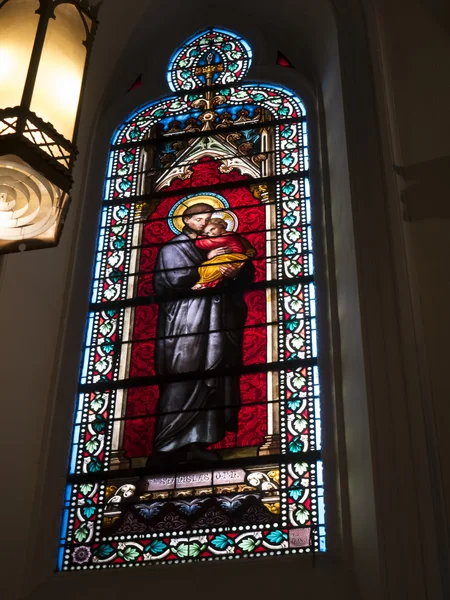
{"x": 107, "y": 346}
{"x": 277, "y": 536}
{"x": 124, "y": 170}
{"x": 119, "y": 243}
{"x": 296, "y": 490}
{"x": 98, "y": 424}
{"x": 289, "y": 219}
{"x": 92, "y": 445}
{"x": 110, "y": 292}
{"x": 102, "y": 365}
{"x": 283, "y": 111}
{"x": 296, "y": 341}
{"x": 82, "y": 533}
{"x": 298, "y": 381}
{"x": 221, "y": 542}
{"x": 300, "y": 424}
{"x": 194, "y": 549}
{"x": 294, "y": 268}
{"x": 288, "y": 188}
{"x": 288, "y": 160}
{"x": 290, "y": 250}
{"x": 122, "y": 212}
{"x": 300, "y": 468}
{"x": 240, "y": 95}
{"x": 88, "y": 511}
{"x": 106, "y": 328}
{"x": 295, "y": 304}
{"x": 86, "y": 488}
{"x": 104, "y": 551}
{"x": 294, "y": 404}
{"x": 129, "y": 553}
{"x": 290, "y": 289}
{"x": 127, "y": 157}
{"x": 287, "y": 132}
{"x": 115, "y": 276}
{"x": 301, "y": 515}
{"x": 94, "y": 465}
{"x": 134, "y": 133}
{"x": 156, "y": 547}
{"x": 182, "y": 550}
{"x": 97, "y": 402}
{"x": 247, "y": 545}
{"x": 258, "y": 97}
{"x": 292, "y": 323}
{"x": 115, "y": 258}
{"x": 296, "y": 445}
{"x": 292, "y": 204}
{"x": 293, "y": 235}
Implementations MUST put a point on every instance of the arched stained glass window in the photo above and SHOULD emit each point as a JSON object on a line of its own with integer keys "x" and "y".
{"x": 197, "y": 431}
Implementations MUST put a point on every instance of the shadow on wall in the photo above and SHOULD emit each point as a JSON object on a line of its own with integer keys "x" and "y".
{"x": 427, "y": 195}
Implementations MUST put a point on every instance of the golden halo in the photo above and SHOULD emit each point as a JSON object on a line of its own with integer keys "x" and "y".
{"x": 177, "y": 215}
{"x": 229, "y": 217}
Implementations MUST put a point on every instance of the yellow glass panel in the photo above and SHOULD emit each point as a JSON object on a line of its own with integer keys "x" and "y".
{"x": 58, "y": 82}
{"x": 18, "y": 25}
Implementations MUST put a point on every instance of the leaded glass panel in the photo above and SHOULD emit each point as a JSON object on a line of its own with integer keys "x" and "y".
{"x": 197, "y": 430}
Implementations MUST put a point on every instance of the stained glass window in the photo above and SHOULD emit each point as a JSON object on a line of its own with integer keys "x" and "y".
{"x": 197, "y": 427}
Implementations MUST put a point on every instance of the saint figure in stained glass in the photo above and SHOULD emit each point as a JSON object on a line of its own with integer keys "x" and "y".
{"x": 198, "y": 333}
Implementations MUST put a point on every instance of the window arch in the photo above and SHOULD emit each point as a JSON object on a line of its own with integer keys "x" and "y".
{"x": 197, "y": 431}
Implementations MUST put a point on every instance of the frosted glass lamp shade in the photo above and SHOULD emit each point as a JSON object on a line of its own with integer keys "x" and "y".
{"x": 18, "y": 24}
{"x": 59, "y": 77}
{"x": 44, "y": 52}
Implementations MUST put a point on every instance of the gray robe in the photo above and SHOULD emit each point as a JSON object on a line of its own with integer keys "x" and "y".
{"x": 211, "y": 405}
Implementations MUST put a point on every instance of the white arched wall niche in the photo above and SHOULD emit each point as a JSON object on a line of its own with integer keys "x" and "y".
{"x": 372, "y": 549}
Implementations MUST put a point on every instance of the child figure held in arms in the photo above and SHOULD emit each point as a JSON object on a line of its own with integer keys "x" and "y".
{"x": 236, "y": 251}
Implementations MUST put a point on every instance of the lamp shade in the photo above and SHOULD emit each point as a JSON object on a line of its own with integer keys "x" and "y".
{"x": 19, "y": 23}
{"x": 44, "y": 52}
